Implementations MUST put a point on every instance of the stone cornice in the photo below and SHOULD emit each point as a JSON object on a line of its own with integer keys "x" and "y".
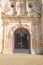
{"x": 15, "y": 19}
{"x": 18, "y": 17}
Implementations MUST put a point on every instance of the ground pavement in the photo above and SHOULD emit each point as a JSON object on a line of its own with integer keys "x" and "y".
{"x": 21, "y": 59}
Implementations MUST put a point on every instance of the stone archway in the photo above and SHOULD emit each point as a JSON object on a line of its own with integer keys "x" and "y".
{"x": 21, "y": 41}
{"x": 10, "y": 36}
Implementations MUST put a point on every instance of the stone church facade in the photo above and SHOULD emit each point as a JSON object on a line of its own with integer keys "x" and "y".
{"x": 22, "y": 32}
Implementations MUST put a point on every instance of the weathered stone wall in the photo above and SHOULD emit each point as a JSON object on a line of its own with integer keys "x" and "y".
{"x": 42, "y": 25}
{"x": 29, "y": 20}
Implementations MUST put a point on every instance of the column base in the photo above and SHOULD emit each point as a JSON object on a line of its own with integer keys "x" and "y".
{"x": 7, "y": 51}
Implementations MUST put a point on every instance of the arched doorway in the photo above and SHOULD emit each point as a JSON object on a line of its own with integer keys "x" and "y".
{"x": 21, "y": 41}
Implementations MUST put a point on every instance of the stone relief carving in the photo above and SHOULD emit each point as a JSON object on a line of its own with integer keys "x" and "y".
{"x": 11, "y": 31}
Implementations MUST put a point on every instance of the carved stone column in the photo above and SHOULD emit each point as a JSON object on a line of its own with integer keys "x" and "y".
{"x": 38, "y": 36}
{"x": 3, "y": 36}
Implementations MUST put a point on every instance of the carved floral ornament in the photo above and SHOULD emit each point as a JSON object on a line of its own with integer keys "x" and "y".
{"x": 8, "y": 10}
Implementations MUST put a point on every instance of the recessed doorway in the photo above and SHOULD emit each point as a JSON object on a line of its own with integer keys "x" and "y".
{"x": 21, "y": 39}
